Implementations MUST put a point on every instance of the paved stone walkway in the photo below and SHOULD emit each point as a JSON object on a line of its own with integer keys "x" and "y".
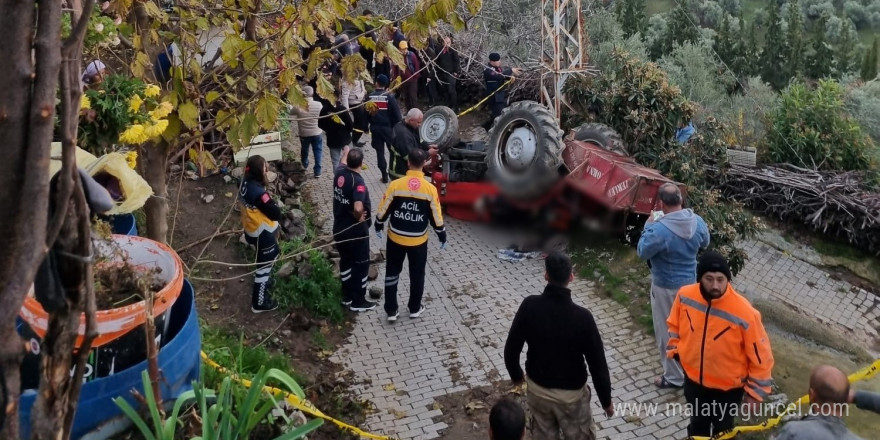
{"x": 471, "y": 298}
{"x": 772, "y": 274}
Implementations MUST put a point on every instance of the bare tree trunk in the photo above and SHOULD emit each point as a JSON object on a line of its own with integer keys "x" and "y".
{"x": 152, "y": 349}
{"x": 250, "y": 25}
{"x": 152, "y": 166}
{"x": 153, "y": 163}
{"x": 53, "y": 411}
{"x": 52, "y": 416}
{"x": 27, "y": 108}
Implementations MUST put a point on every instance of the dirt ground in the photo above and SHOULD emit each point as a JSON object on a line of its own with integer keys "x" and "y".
{"x": 226, "y": 304}
{"x": 467, "y": 412}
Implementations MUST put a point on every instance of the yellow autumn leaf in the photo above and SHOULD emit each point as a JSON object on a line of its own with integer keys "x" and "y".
{"x": 296, "y": 98}
{"x": 230, "y": 49}
{"x": 326, "y": 90}
{"x": 267, "y": 111}
{"x": 394, "y": 54}
{"x": 189, "y": 114}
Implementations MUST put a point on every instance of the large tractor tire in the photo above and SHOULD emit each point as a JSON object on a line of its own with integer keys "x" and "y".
{"x": 525, "y": 151}
{"x": 601, "y": 135}
{"x": 440, "y": 127}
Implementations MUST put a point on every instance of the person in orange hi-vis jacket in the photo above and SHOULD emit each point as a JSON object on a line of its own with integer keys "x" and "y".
{"x": 718, "y": 337}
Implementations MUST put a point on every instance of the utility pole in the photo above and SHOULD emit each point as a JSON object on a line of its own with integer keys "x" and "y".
{"x": 563, "y": 50}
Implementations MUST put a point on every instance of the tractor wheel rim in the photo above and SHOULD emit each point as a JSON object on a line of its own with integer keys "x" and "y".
{"x": 519, "y": 149}
{"x": 434, "y": 127}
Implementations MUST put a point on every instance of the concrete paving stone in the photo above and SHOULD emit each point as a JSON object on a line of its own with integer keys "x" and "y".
{"x": 606, "y": 433}
{"x": 468, "y": 330}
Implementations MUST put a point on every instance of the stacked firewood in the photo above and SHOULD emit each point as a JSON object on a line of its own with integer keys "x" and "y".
{"x": 841, "y": 205}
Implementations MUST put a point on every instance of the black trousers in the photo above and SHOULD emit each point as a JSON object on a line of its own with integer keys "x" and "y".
{"x": 418, "y": 257}
{"x": 495, "y": 109}
{"x": 448, "y": 86}
{"x": 354, "y": 265}
{"x": 431, "y": 89}
{"x": 409, "y": 92}
{"x": 361, "y": 124}
{"x": 381, "y": 139}
{"x": 710, "y": 408}
{"x": 267, "y": 251}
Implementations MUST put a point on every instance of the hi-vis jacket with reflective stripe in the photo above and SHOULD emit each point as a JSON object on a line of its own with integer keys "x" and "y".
{"x": 411, "y": 203}
{"x": 721, "y": 344}
{"x": 259, "y": 213}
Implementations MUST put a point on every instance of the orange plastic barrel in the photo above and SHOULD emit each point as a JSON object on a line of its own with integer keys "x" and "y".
{"x": 113, "y": 323}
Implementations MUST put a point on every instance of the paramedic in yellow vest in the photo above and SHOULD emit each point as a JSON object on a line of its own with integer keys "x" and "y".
{"x": 410, "y": 205}
{"x": 259, "y": 218}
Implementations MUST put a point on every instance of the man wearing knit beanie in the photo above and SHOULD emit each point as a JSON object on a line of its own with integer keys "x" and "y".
{"x": 720, "y": 341}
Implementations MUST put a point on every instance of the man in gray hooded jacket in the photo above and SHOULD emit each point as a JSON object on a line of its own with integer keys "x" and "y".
{"x": 670, "y": 245}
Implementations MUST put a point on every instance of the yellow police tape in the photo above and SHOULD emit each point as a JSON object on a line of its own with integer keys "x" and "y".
{"x": 485, "y": 99}
{"x": 863, "y": 374}
{"x": 294, "y": 401}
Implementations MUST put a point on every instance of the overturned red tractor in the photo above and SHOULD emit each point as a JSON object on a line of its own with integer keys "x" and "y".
{"x": 527, "y": 167}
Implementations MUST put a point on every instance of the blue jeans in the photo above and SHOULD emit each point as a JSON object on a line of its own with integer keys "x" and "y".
{"x": 335, "y": 157}
{"x": 317, "y": 147}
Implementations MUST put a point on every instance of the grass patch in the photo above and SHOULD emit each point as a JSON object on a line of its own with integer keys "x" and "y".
{"x": 232, "y": 351}
{"x": 839, "y": 250}
{"x": 313, "y": 286}
{"x": 320, "y": 340}
{"x": 618, "y": 273}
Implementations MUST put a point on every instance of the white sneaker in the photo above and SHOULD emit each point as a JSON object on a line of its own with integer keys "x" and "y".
{"x": 392, "y": 318}
{"x": 417, "y": 314}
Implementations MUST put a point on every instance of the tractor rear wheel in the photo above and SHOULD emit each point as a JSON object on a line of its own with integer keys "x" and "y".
{"x": 601, "y": 135}
{"x": 440, "y": 127}
{"x": 525, "y": 150}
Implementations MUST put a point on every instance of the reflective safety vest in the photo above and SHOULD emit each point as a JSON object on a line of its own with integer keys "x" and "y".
{"x": 253, "y": 220}
{"x": 721, "y": 343}
{"x": 410, "y": 205}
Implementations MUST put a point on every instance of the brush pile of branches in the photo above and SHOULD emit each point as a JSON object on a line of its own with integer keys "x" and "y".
{"x": 840, "y": 205}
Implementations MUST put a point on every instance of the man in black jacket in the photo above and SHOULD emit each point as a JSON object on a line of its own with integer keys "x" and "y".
{"x": 384, "y": 115}
{"x": 560, "y": 335}
{"x": 495, "y": 77}
{"x": 337, "y": 124}
{"x": 406, "y": 138}
{"x": 448, "y": 70}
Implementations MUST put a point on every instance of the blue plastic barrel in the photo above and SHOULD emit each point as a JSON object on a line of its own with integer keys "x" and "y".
{"x": 124, "y": 224}
{"x": 179, "y": 362}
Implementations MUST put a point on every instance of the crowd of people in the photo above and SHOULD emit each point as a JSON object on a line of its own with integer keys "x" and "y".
{"x": 711, "y": 341}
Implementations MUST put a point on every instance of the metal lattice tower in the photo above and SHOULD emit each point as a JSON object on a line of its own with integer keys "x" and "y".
{"x": 563, "y": 50}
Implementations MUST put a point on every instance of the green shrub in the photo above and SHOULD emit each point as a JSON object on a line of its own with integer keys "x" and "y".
{"x": 744, "y": 115}
{"x": 862, "y": 102}
{"x": 606, "y": 35}
{"x": 636, "y": 99}
{"x": 232, "y": 351}
{"x": 694, "y": 69}
{"x": 728, "y": 221}
{"x": 314, "y": 285}
{"x": 811, "y": 129}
